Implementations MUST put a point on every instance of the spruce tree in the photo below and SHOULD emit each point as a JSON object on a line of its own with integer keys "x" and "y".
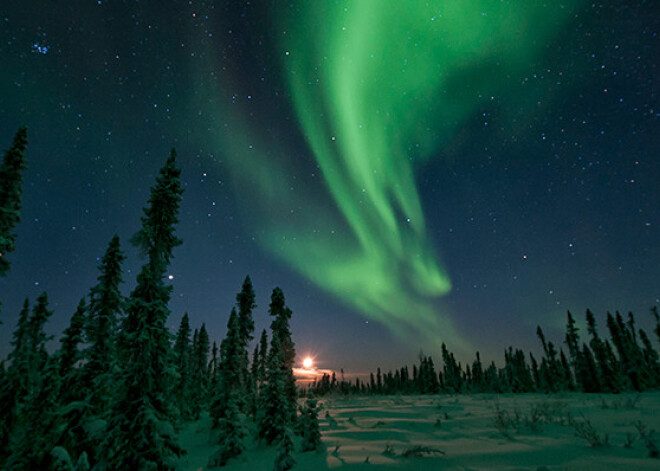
{"x": 656, "y": 316}
{"x": 273, "y": 416}
{"x": 245, "y": 301}
{"x": 214, "y": 367}
{"x": 253, "y": 392}
{"x": 106, "y": 304}
{"x": 37, "y": 337}
{"x": 590, "y": 380}
{"x": 31, "y": 436}
{"x": 263, "y": 356}
{"x": 15, "y": 383}
{"x": 141, "y": 434}
{"x": 651, "y": 361}
{"x": 536, "y": 375}
{"x": 34, "y": 434}
{"x": 200, "y": 373}
{"x": 607, "y": 374}
{"x": 231, "y": 361}
{"x": 11, "y": 183}
{"x": 478, "y": 375}
{"x": 70, "y": 353}
{"x": 627, "y": 357}
{"x": 281, "y": 315}
{"x": 182, "y": 359}
{"x": 572, "y": 341}
{"x": 232, "y": 432}
{"x": 6, "y": 411}
{"x": 284, "y": 459}
{"x": 566, "y": 369}
{"x": 311, "y": 434}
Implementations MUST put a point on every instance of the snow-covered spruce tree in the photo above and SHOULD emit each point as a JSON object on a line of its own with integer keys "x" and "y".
{"x": 73, "y": 414}
{"x": 11, "y": 183}
{"x": 280, "y": 325}
{"x": 69, "y": 353}
{"x": 37, "y": 338}
{"x": 85, "y": 394}
{"x": 214, "y": 367}
{"x": 232, "y": 432}
{"x": 263, "y": 357}
{"x": 34, "y": 436}
{"x": 14, "y": 387}
{"x": 31, "y": 436}
{"x": 245, "y": 303}
{"x": 199, "y": 371}
{"x": 229, "y": 382}
{"x": 311, "y": 434}
{"x": 140, "y": 432}
{"x": 182, "y": 359}
{"x": 284, "y": 459}
{"x": 106, "y": 304}
{"x": 253, "y": 392}
{"x": 273, "y": 416}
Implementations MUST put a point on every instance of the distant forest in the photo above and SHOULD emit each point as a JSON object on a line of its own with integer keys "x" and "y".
{"x": 632, "y": 364}
{"x": 116, "y": 392}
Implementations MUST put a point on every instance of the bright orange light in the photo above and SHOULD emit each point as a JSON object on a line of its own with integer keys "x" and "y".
{"x": 308, "y": 362}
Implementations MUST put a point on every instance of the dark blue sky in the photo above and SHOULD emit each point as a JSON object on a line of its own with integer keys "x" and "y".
{"x": 544, "y": 199}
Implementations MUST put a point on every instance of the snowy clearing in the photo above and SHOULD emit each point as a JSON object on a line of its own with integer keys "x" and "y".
{"x": 466, "y": 432}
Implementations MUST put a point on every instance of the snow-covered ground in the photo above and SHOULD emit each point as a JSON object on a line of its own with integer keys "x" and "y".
{"x": 466, "y": 432}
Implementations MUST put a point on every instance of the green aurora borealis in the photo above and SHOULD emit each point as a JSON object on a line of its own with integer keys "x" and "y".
{"x": 456, "y": 171}
{"x": 378, "y": 88}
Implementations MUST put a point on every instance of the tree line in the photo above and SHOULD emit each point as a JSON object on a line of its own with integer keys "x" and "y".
{"x": 115, "y": 393}
{"x": 627, "y": 361}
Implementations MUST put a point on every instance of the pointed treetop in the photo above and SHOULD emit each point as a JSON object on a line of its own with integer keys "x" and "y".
{"x": 156, "y": 237}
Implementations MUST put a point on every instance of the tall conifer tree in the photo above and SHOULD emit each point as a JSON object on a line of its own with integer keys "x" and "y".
{"x": 140, "y": 432}
{"x": 70, "y": 353}
{"x": 200, "y": 372}
{"x": 245, "y": 303}
{"x": 182, "y": 360}
{"x": 106, "y": 304}
{"x": 278, "y": 399}
{"x": 231, "y": 361}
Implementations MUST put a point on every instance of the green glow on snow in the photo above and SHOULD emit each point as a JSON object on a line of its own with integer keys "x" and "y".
{"x": 378, "y": 87}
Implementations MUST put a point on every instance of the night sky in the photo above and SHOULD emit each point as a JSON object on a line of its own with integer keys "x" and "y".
{"x": 457, "y": 171}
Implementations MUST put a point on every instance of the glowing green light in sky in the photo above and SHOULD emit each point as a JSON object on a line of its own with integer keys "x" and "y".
{"x": 378, "y": 87}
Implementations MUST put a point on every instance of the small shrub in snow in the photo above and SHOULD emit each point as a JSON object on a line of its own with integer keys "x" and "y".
{"x": 630, "y": 440}
{"x": 647, "y": 437}
{"x": 389, "y": 451}
{"x": 585, "y": 430}
{"x": 503, "y": 422}
{"x": 416, "y": 451}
